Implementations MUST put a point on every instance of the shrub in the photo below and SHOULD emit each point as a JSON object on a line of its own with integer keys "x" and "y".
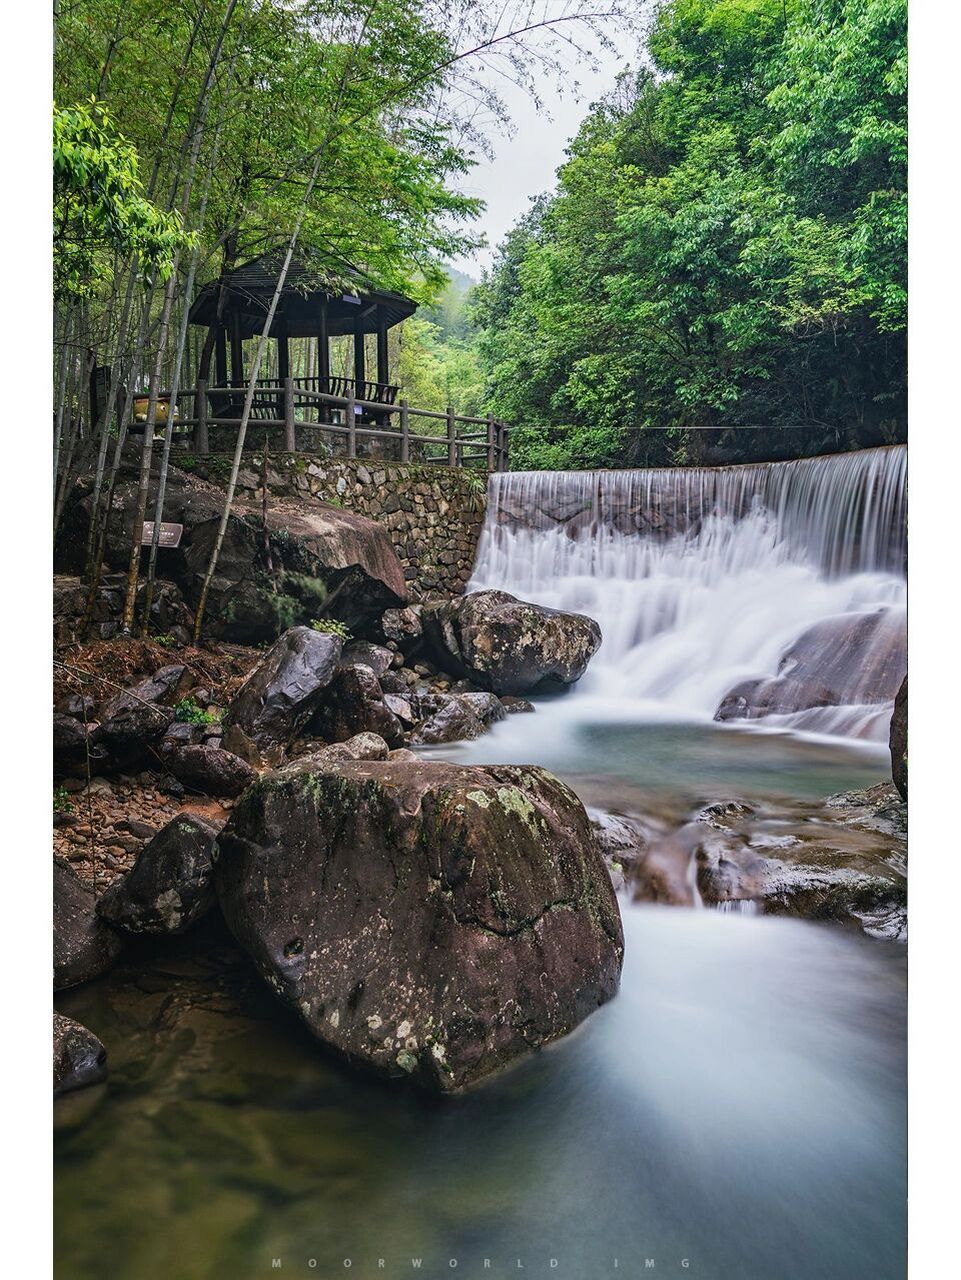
{"x": 332, "y": 625}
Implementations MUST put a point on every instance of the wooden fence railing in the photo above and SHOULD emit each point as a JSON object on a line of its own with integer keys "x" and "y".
{"x": 292, "y": 408}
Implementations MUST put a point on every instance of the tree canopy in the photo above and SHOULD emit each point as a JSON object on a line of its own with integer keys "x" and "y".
{"x": 726, "y": 246}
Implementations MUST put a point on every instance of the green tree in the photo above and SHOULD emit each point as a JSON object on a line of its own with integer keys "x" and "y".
{"x": 726, "y": 247}
{"x": 100, "y": 210}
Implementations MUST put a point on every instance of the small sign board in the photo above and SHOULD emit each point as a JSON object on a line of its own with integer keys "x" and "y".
{"x": 170, "y": 534}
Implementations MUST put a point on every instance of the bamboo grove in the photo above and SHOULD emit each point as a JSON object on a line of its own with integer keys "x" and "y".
{"x": 192, "y": 135}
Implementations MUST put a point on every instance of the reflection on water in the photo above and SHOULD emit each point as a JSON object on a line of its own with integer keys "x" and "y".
{"x": 662, "y": 764}
{"x": 740, "y": 1105}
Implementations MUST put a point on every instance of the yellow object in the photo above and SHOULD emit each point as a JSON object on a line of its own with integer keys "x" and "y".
{"x": 163, "y": 409}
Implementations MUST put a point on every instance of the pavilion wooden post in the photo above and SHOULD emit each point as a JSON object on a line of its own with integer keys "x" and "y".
{"x": 404, "y": 432}
{"x": 451, "y": 437}
{"x": 323, "y": 359}
{"x": 360, "y": 359}
{"x": 283, "y": 369}
{"x": 351, "y": 426}
{"x": 236, "y": 351}
{"x": 201, "y": 439}
{"x": 220, "y": 348}
{"x": 383, "y": 364}
{"x": 491, "y": 447}
{"x": 502, "y": 432}
{"x": 290, "y": 430}
{"x": 383, "y": 358}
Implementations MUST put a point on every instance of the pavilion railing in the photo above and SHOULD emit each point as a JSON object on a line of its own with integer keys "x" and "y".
{"x": 290, "y": 406}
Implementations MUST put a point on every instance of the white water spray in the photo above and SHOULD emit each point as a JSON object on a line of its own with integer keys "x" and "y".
{"x": 701, "y": 578}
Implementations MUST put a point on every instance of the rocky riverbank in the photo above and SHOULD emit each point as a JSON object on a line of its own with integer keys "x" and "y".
{"x": 170, "y": 777}
{"x": 425, "y": 921}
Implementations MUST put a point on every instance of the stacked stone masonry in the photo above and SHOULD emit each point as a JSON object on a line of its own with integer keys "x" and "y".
{"x": 434, "y": 513}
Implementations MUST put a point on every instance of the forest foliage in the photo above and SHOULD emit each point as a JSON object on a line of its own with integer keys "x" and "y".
{"x": 726, "y": 247}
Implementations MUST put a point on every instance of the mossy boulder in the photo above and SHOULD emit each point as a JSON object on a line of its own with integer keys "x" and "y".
{"x": 427, "y": 920}
{"x": 505, "y": 645}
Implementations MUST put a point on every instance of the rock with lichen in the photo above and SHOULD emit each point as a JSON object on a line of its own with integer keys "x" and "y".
{"x": 428, "y": 920}
{"x": 505, "y": 645}
{"x": 170, "y": 886}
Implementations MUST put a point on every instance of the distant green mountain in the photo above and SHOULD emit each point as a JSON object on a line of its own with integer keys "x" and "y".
{"x": 449, "y": 312}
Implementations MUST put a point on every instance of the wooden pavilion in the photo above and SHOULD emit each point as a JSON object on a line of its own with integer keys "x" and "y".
{"x": 235, "y": 308}
{"x": 354, "y": 416}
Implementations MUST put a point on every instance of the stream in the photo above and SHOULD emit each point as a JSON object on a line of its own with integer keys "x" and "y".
{"x": 738, "y": 1112}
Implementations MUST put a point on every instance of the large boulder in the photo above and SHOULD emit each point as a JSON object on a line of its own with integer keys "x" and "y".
{"x": 282, "y": 692}
{"x": 851, "y": 659}
{"x": 170, "y": 886}
{"x": 898, "y": 740}
{"x": 84, "y": 946}
{"x": 312, "y": 553}
{"x": 427, "y": 920}
{"x": 79, "y": 1058}
{"x": 506, "y": 645}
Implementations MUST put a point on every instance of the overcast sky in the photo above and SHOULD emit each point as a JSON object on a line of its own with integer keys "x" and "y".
{"x": 525, "y": 163}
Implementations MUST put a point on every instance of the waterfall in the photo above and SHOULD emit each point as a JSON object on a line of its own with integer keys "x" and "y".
{"x": 773, "y": 593}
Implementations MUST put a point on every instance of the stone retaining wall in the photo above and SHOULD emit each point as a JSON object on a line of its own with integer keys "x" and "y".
{"x": 434, "y": 513}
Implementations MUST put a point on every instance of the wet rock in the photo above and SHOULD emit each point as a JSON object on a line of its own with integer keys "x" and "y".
{"x": 852, "y": 659}
{"x": 486, "y": 706}
{"x": 506, "y": 645}
{"x": 170, "y": 885}
{"x": 71, "y": 740}
{"x": 367, "y": 746}
{"x": 898, "y": 740}
{"x": 209, "y": 769}
{"x": 181, "y": 734}
{"x": 354, "y": 703}
{"x": 455, "y": 721}
{"x": 79, "y": 1059}
{"x": 403, "y": 626}
{"x": 83, "y": 945}
{"x": 133, "y": 722}
{"x": 516, "y": 706}
{"x": 374, "y": 656}
{"x": 621, "y": 843}
{"x": 165, "y": 687}
{"x": 724, "y": 812}
{"x": 400, "y": 707}
{"x": 425, "y": 919}
{"x": 842, "y": 860}
{"x": 284, "y": 689}
{"x": 237, "y": 741}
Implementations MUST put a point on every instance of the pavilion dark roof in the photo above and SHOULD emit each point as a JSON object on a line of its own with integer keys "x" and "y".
{"x": 250, "y": 288}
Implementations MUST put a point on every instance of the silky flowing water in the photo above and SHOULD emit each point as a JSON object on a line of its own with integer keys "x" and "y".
{"x": 737, "y": 1112}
